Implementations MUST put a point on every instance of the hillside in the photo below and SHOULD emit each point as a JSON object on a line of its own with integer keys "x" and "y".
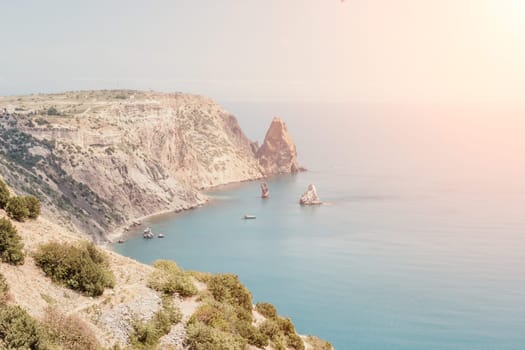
{"x": 111, "y": 316}
{"x": 100, "y": 159}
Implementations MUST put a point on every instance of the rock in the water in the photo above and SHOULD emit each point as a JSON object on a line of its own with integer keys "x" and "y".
{"x": 265, "y": 192}
{"x": 310, "y": 197}
{"x": 277, "y": 154}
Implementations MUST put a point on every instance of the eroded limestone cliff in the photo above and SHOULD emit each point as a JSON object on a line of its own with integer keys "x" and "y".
{"x": 277, "y": 154}
{"x": 98, "y": 159}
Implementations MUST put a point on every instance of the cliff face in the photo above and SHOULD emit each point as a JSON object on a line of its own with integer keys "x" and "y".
{"x": 277, "y": 154}
{"x": 98, "y": 159}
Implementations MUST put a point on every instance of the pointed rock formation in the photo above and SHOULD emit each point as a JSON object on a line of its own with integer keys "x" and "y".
{"x": 310, "y": 197}
{"x": 265, "y": 192}
{"x": 278, "y": 154}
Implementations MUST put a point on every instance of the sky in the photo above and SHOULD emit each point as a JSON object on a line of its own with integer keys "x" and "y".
{"x": 402, "y": 51}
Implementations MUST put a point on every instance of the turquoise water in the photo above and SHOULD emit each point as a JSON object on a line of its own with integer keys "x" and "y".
{"x": 421, "y": 244}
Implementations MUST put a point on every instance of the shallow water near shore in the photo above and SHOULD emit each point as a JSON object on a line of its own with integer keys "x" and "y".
{"x": 413, "y": 250}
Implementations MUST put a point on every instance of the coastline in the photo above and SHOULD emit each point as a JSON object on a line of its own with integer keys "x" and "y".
{"x": 120, "y": 231}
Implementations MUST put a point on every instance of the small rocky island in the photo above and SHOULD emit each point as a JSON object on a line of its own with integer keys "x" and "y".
{"x": 310, "y": 197}
{"x": 265, "y": 192}
{"x": 278, "y": 154}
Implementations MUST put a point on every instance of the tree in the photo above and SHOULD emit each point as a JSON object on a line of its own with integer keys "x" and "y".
{"x": 52, "y": 111}
{"x": 16, "y": 208}
{"x": 4, "y": 194}
{"x": 10, "y": 243}
{"x": 33, "y": 206}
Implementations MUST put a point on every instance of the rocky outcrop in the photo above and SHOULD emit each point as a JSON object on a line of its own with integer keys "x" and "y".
{"x": 278, "y": 154}
{"x": 265, "y": 192}
{"x": 99, "y": 159}
{"x": 310, "y": 197}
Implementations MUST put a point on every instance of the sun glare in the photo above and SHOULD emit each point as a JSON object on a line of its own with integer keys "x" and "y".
{"x": 512, "y": 14}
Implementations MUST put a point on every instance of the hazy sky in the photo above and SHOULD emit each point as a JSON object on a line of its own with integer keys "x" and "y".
{"x": 238, "y": 50}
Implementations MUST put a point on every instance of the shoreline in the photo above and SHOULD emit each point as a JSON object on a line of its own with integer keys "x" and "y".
{"x": 120, "y": 231}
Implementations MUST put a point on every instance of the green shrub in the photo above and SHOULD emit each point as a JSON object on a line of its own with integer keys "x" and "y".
{"x": 4, "y": 290}
{"x": 4, "y": 194}
{"x": 18, "y": 330}
{"x": 146, "y": 335}
{"x": 203, "y": 337}
{"x": 281, "y": 332}
{"x": 252, "y": 334}
{"x": 83, "y": 268}
{"x": 69, "y": 332}
{"x": 229, "y": 319}
{"x": 52, "y": 111}
{"x": 10, "y": 243}
{"x": 266, "y": 309}
{"x": 203, "y": 277}
{"x": 41, "y": 121}
{"x": 16, "y": 208}
{"x": 227, "y": 288}
{"x": 270, "y": 328}
{"x": 33, "y": 206}
{"x": 168, "y": 278}
{"x": 318, "y": 344}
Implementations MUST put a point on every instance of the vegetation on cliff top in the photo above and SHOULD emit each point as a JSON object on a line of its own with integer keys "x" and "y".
{"x": 169, "y": 279}
{"x": 146, "y": 335}
{"x": 10, "y": 243}
{"x": 225, "y": 320}
{"x": 4, "y": 194}
{"x": 18, "y": 330}
{"x": 83, "y": 267}
{"x": 4, "y": 290}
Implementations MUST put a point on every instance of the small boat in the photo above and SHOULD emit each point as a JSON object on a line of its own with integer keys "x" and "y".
{"x": 121, "y": 241}
{"x": 249, "y": 217}
{"x": 147, "y": 233}
{"x": 160, "y": 235}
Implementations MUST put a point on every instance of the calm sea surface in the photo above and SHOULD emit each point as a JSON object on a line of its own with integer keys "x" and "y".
{"x": 421, "y": 244}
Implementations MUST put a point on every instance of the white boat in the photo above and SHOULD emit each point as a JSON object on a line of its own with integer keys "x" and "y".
{"x": 147, "y": 233}
{"x": 249, "y": 217}
{"x": 160, "y": 235}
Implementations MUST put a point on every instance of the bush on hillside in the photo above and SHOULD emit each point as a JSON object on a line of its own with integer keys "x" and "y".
{"x": 168, "y": 278}
{"x": 229, "y": 319}
{"x": 4, "y": 194}
{"x": 16, "y": 208}
{"x": 227, "y": 288}
{"x": 266, "y": 309}
{"x": 33, "y": 206}
{"x": 52, "y": 111}
{"x": 69, "y": 332}
{"x": 281, "y": 332}
{"x": 146, "y": 335}
{"x": 319, "y": 344}
{"x": 18, "y": 330}
{"x": 10, "y": 243}
{"x": 203, "y": 337}
{"x": 83, "y": 268}
{"x": 4, "y": 290}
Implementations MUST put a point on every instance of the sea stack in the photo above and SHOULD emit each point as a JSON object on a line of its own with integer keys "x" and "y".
{"x": 310, "y": 197}
{"x": 265, "y": 192}
{"x": 278, "y": 154}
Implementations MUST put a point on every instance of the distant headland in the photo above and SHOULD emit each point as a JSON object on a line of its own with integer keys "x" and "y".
{"x": 101, "y": 159}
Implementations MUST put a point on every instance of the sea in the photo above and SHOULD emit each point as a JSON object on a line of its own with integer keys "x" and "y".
{"x": 420, "y": 243}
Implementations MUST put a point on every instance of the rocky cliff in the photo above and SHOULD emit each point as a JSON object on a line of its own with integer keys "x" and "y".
{"x": 278, "y": 154}
{"x": 99, "y": 159}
